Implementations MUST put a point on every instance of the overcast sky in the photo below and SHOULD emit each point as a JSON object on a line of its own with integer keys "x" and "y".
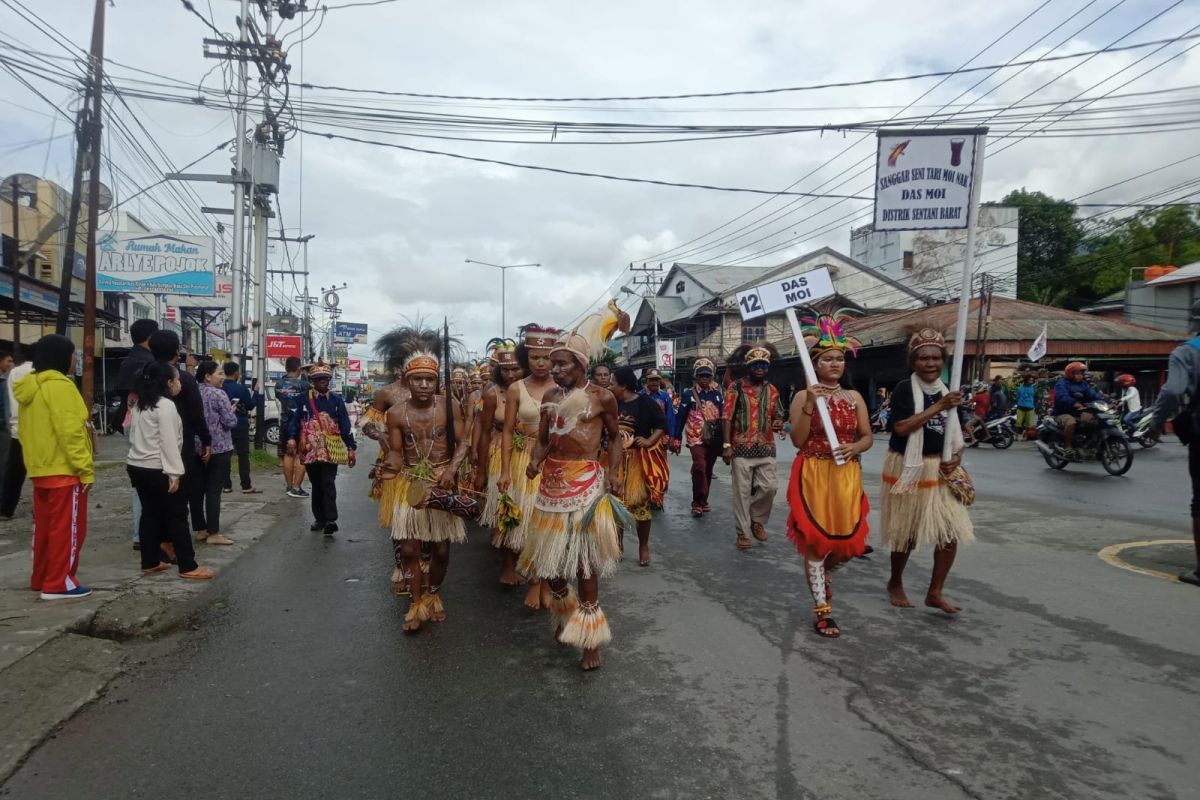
{"x": 397, "y": 226}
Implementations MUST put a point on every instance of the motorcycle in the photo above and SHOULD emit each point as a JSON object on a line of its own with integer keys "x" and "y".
{"x": 1002, "y": 432}
{"x": 1104, "y": 442}
{"x": 1138, "y": 428}
{"x": 879, "y": 420}
{"x": 107, "y": 419}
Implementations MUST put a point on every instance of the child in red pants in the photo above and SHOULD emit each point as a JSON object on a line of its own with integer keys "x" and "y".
{"x": 56, "y": 443}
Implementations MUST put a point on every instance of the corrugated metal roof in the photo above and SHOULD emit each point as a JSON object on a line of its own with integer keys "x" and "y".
{"x": 1012, "y": 320}
{"x": 720, "y": 278}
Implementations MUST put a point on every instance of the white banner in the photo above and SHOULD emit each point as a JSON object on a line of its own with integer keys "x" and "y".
{"x": 773, "y": 297}
{"x": 1038, "y": 350}
{"x": 923, "y": 179}
{"x": 666, "y": 354}
{"x": 155, "y": 263}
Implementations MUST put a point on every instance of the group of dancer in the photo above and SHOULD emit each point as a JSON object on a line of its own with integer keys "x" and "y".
{"x": 559, "y": 456}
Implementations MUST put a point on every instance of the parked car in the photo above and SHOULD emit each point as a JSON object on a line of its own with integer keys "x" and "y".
{"x": 271, "y": 432}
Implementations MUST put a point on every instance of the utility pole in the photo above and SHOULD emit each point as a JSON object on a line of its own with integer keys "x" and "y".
{"x": 305, "y": 300}
{"x": 990, "y": 290}
{"x": 238, "y": 343}
{"x": 16, "y": 262}
{"x": 648, "y": 278}
{"x": 504, "y": 268}
{"x": 89, "y": 291}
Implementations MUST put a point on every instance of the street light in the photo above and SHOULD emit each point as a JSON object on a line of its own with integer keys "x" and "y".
{"x": 503, "y": 289}
{"x": 653, "y": 316}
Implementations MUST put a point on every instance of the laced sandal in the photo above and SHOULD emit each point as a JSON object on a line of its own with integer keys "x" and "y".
{"x": 827, "y": 628}
{"x": 743, "y": 542}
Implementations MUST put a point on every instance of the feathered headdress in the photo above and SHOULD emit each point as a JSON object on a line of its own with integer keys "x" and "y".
{"x": 395, "y": 346}
{"x": 828, "y": 332}
{"x": 502, "y": 351}
{"x": 538, "y": 338}
{"x": 590, "y": 337}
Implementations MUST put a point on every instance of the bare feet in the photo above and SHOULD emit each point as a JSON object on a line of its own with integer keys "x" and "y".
{"x": 412, "y": 620}
{"x": 644, "y": 555}
{"x": 509, "y": 576}
{"x": 546, "y": 595}
{"x": 437, "y": 611}
{"x": 592, "y": 659}
{"x": 897, "y": 595}
{"x": 533, "y": 597}
{"x": 937, "y": 601}
{"x": 399, "y": 584}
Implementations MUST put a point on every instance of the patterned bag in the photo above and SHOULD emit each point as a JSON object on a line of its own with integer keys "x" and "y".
{"x": 960, "y": 485}
{"x": 320, "y": 438}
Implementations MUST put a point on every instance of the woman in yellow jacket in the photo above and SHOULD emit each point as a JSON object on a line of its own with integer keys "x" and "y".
{"x": 56, "y": 442}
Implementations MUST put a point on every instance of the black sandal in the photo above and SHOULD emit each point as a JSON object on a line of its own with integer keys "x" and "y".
{"x": 827, "y": 628}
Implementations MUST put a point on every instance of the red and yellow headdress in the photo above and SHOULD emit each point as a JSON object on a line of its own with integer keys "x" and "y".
{"x": 538, "y": 338}
{"x": 591, "y": 335}
{"x": 421, "y": 363}
{"x": 828, "y": 332}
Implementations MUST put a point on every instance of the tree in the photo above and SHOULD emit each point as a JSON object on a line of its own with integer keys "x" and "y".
{"x": 1118, "y": 249}
{"x": 1049, "y": 235}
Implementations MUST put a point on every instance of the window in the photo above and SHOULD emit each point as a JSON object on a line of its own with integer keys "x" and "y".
{"x": 112, "y": 305}
{"x": 753, "y": 332}
{"x": 908, "y": 260}
{"x": 679, "y": 287}
{"x": 46, "y": 271}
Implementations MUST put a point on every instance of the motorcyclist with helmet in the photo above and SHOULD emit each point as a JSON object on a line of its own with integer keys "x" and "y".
{"x": 1071, "y": 393}
{"x": 1131, "y": 399}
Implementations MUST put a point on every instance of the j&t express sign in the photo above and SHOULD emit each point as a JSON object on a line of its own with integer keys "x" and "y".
{"x": 155, "y": 263}
{"x": 923, "y": 180}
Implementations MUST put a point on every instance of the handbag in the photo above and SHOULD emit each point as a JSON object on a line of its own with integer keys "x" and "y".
{"x": 322, "y": 439}
{"x": 960, "y": 485}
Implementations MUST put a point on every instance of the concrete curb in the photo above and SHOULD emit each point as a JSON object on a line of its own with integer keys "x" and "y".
{"x": 43, "y": 688}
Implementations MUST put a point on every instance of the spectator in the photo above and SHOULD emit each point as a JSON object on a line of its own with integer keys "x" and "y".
{"x": 320, "y": 415}
{"x": 6, "y": 411}
{"x": 14, "y": 467}
{"x": 164, "y": 345}
{"x": 1027, "y": 404}
{"x": 259, "y": 403}
{"x": 976, "y": 427}
{"x": 999, "y": 392}
{"x": 58, "y": 458}
{"x": 132, "y": 365}
{"x": 288, "y": 390}
{"x": 156, "y": 470}
{"x": 243, "y": 403}
{"x": 218, "y": 413}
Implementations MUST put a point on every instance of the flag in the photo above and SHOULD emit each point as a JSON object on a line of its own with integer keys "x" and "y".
{"x": 1038, "y": 351}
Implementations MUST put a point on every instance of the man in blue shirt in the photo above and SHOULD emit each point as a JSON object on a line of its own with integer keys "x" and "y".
{"x": 321, "y": 459}
{"x": 241, "y": 434}
{"x": 1071, "y": 392}
{"x": 1026, "y": 404}
{"x": 288, "y": 390}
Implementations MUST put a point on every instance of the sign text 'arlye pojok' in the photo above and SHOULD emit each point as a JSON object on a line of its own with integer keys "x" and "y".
{"x": 923, "y": 179}
{"x": 155, "y": 263}
{"x": 778, "y": 295}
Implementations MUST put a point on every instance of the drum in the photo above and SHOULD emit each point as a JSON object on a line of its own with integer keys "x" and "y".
{"x": 464, "y": 505}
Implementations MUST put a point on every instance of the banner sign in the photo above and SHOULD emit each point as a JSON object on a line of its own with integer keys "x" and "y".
{"x": 282, "y": 347}
{"x": 355, "y": 332}
{"x": 155, "y": 263}
{"x": 354, "y": 366}
{"x": 1038, "y": 350}
{"x": 779, "y": 295}
{"x": 666, "y": 354}
{"x": 923, "y": 179}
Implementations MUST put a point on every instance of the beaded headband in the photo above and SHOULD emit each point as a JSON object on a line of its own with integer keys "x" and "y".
{"x": 539, "y": 338}
{"x": 704, "y": 365}
{"x": 320, "y": 371}
{"x": 924, "y": 338}
{"x": 420, "y": 362}
{"x": 502, "y": 352}
{"x": 758, "y": 354}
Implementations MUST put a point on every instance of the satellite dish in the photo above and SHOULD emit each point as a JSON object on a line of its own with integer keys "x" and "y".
{"x": 25, "y": 183}
{"x": 106, "y": 197}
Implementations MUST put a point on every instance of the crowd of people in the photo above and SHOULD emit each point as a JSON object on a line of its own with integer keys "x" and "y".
{"x": 558, "y": 454}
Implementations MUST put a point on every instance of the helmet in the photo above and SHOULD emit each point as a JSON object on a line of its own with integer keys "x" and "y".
{"x": 1126, "y": 380}
{"x": 1074, "y": 365}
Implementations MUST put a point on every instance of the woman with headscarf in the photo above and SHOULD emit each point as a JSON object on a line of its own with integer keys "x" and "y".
{"x": 828, "y": 508}
{"x": 919, "y": 509}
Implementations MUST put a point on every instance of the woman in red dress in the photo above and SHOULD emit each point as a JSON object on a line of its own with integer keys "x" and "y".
{"x": 828, "y": 508}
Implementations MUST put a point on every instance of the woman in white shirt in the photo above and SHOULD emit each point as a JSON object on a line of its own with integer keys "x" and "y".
{"x": 155, "y": 466}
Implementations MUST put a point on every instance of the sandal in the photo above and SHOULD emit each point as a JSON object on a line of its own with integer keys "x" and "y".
{"x": 743, "y": 542}
{"x": 252, "y": 491}
{"x": 759, "y": 531}
{"x": 198, "y": 574}
{"x": 162, "y": 567}
{"x": 827, "y": 628}
{"x": 697, "y": 511}
{"x": 219, "y": 538}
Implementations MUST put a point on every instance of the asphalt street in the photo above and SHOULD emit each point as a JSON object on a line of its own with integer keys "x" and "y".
{"x": 1064, "y": 677}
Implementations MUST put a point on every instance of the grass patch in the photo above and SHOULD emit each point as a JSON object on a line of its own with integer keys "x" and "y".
{"x": 264, "y": 458}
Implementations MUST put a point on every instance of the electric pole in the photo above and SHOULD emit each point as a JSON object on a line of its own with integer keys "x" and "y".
{"x": 237, "y": 344}
{"x": 305, "y": 300}
{"x": 89, "y": 291}
{"x": 648, "y": 278}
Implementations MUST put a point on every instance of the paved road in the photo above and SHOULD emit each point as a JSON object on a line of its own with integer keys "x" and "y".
{"x": 1064, "y": 676}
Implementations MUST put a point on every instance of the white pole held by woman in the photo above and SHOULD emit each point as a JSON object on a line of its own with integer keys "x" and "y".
{"x": 810, "y": 375}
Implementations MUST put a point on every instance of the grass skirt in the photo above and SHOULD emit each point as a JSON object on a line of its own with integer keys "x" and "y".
{"x": 828, "y": 508}
{"x": 388, "y": 495}
{"x": 423, "y": 524}
{"x": 524, "y": 493}
{"x": 635, "y": 491}
{"x": 487, "y": 517}
{"x": 927, "y": 516}
{"x": 574, "y": 527}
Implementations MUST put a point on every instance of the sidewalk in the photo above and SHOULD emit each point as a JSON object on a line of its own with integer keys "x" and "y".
{"x": 57, "y": 656}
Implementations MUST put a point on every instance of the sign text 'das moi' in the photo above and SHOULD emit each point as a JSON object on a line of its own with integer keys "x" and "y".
{"x": 779, "y": 295}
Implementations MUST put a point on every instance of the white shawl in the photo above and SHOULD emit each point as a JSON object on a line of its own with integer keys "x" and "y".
{"x": 914, "y": 451}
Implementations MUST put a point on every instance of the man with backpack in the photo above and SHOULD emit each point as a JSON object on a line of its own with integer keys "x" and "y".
{"x": 1177, "y": 402}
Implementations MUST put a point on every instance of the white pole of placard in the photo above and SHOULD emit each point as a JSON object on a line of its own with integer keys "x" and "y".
{"x": 810, "y": 374}
{"x": 964, "y": 294}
